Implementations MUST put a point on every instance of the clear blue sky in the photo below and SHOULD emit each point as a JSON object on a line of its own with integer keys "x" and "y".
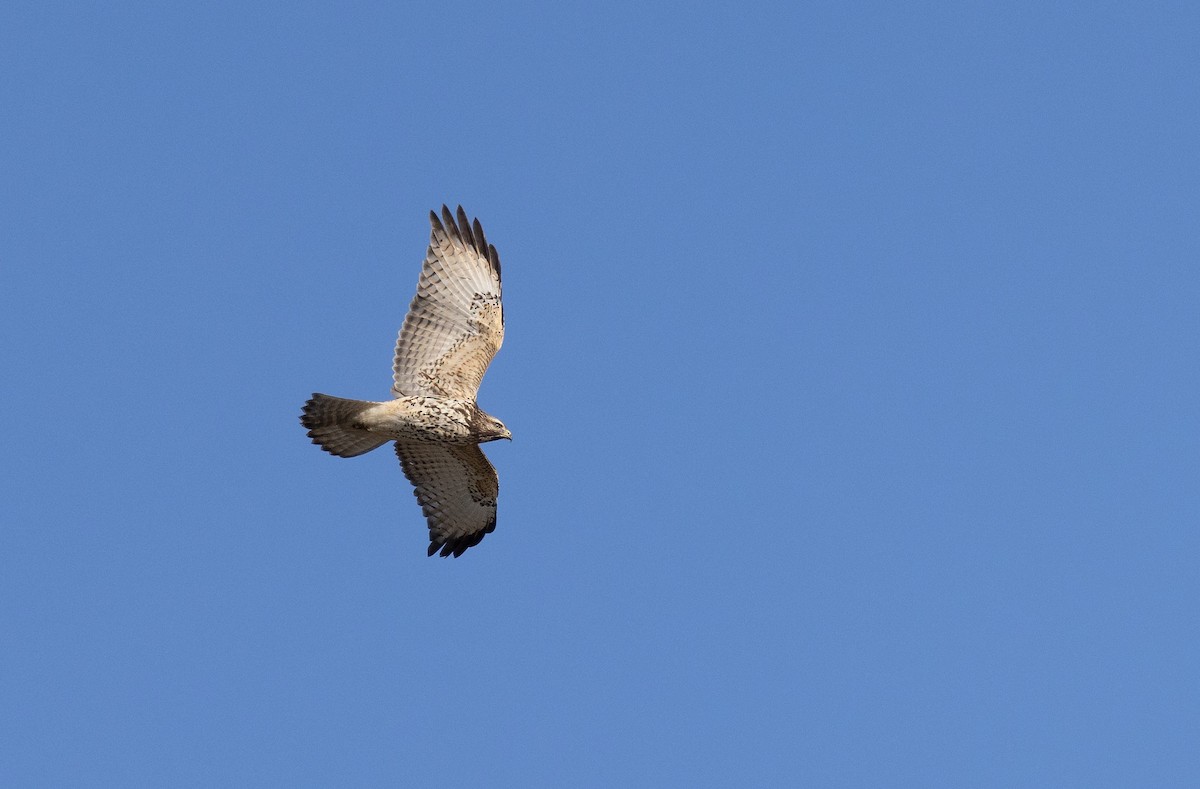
{"x": 851, "y": 362}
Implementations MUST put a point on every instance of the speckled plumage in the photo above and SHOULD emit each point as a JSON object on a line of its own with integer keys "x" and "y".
{"x": 454, "y": 327}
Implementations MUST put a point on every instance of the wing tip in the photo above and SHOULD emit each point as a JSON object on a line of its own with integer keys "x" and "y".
{"x": 458, "y": 227}
{"x": 464, "y": 228}
{"x": 494, "y": 258}
{"x": 448, "y": 223}
{"x": 456, "y": 547}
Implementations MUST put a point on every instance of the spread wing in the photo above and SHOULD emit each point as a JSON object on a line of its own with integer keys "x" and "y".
{"x": 457, "y": 488}
{"x": 455, "y": 324}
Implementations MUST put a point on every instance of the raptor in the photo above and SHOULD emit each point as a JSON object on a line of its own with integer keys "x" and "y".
{"x": 454, "y": 327}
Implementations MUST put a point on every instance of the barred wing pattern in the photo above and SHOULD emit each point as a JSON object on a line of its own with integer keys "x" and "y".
{"x": 455, "y": 323}
{"x": 456, "y": 487}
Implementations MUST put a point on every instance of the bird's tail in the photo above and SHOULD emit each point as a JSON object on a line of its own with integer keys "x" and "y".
{"x": 330, "y": 422}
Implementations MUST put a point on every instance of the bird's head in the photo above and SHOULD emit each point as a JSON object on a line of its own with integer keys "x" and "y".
{"x": 492, "y": 429}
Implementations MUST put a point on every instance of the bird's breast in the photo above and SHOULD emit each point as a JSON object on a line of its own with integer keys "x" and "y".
{"x": 416, "y": 418}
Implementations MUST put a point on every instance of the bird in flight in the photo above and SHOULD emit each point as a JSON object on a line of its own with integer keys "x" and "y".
{"x": 454, "y": 327}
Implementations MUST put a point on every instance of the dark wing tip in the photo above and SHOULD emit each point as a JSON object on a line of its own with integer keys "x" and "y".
{"x": 481, "y": 244}
{"x": 308, "y": 417}
{"x": 470, "y": 234}
{"x": 457, "y": 547}
{"x": 494, "y": 258}
{"x": 464, "y": 228}
{"x": 448, "y": 222}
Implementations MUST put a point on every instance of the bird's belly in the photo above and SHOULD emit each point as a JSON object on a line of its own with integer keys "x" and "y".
{"x": 420, "y": 419}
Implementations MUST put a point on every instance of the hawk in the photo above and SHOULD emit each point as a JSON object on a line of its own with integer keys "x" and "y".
{"x": 454, "y": 327}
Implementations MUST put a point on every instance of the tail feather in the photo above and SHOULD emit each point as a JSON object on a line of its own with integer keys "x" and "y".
{"x": 330, "y": 422}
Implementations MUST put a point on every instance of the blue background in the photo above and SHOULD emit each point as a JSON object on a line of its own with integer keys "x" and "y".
{"x": 851, "y": 362}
